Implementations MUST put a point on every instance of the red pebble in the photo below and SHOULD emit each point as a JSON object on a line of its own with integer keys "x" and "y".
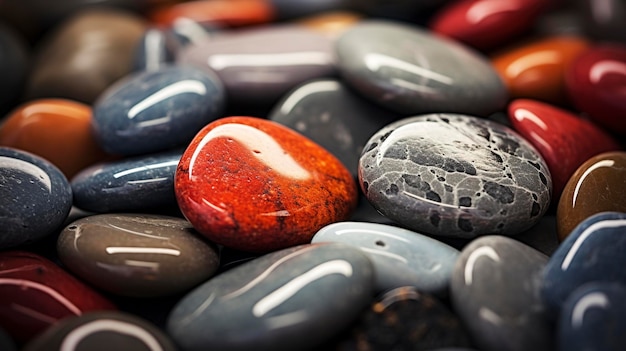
{"x": 35, "y": 293}
{"x": 221, "y": 13}
{"x": 255, "y": 185}
{"x": 564, "y": 140}
{"x": 596, "y": 83}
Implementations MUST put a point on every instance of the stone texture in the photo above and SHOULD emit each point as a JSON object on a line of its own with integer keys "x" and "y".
{"x": 14, "y": 65}
{"x": 137, "y": 255}
{"x": 137, "y": 183}
{"x": 100, "y": 331}
{"x": 36, "y": 293}
{"x": 222, "y": 13}
{"x": 58, "y": 130}
{"x": 400, "y": 257}
{"x": 295, "y": 298}
{"x": 156, "y": 110}
{"x": 35, "y": 198}
{"x": 495, "y": 290}
{"x": 455, "y": 175}
{"x": 255, "y": 185}
{"x": 408, "y": 70}
{"x": 598, "y": 185}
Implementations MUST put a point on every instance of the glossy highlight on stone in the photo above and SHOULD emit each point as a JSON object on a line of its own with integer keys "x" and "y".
{"x": 598, "y": 185}
{"x": 255, "y": 185}
{"x": 455, "y": 175}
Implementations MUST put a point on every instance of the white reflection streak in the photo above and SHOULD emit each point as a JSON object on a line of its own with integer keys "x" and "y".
{"x": 375, "y": 61}
{"x": 286, "y": 320}
{"x": 384, "y": 253}
{"x": 601, "y": 164}
{"x": 291, "y": 288}
{"x": 152, "y": 44}
{"x": 143, "y": 264}
{"x": 28, "y": 168}
{"x": 145, "y": 168}
{"x": 489, "y": 315}
{"x": 522, "y": 114}
{"x": 147, "y": 180}
{"x": 190, "y": 29}
{"x": 601, "y": 68}
{"x": 221, "y": 61}
{"x": 370, "y": 231}
{"x": 71, "y": 341}
{"x": 483, "y": 9}
{"x": 412, "y": 86}
{"x": 305, "y": 91}
{"x": 527, "y": 61}
{"x": 154, "y": 122}
{"x": 594, "y": 228}
{"x": 24, "y": 284}
{"x": 141, "y": 250}
{"x": 471, "y": 261}
{"x": 596, "y": 299}
{"x": 182, "y": 87}
{"x": 135, "y": 232}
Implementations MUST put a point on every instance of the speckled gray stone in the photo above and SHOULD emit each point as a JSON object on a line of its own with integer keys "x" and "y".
{"x": 455, "y": 175}
{"x": 409, "y": 70}
{"x": 293, "y": 299}
{"x": 400, "y": 257}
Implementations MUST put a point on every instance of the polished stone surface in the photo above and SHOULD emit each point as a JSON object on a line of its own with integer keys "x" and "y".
{"x": 157, "y": 110}
{"x": 255, "y": 185}
{"x": 408, "y": 70}
{"x": 291, "y": 299}
{"x": 400, "y": 257}
{"x": 137, "y": 255}
{"x": 332, "y": 23}
{"x": 35, "y": 198}
{"x": 131, "y": 184}
{"x": 495, "y": 290}
{"x": 598, "y": 185}
{"x": 455, "y": 175}
{"x": 14, "y": 65}
{"x": 221, "y": 13}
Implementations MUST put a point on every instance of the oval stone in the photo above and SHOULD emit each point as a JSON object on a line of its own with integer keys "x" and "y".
{"x": 35, "y": 197}
{"x": 58, "y": 130}
{"x": 598, "y": 185}
{"x": 133, "y": 184}
{"x": 564, "y": 140}
{"x": 400, "y": 257}
{"x": 495, "y": 290}
{"x": 137, "y": 255}
{"x": 295, "y": 298}
{"x": 408, "y": 70}
{"x": 595, "y": 83}
{"x": 255, "y": 185}
{"x": 100, "y": 331}
{"x": 593, "y": 318}
{"x": 156, "y": 110}
{"x": 36, "y": 293}
{"x": 593, "y": 252}
{"x": 455, "y": 175}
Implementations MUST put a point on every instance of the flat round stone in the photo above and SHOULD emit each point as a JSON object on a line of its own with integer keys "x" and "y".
{"x": 455, "y": 175}
{"x": 255, "y": 185}
{"x": 35, "y": 197}
{"x": 408, "y": 70}
{"x": 291, "y": 299}
{"x": 137, "y": 255}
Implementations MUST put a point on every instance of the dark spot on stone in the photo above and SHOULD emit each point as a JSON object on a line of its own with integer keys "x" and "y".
{"x": 395, "y": 153}
{"x": 371, "y": 147}
{"x": 509, "y": 175}
{"x": 448, "y": 188}
{"x": 415, "y": 181}
{"x": 484, "y": 133}
{"x": 500, "y": 226}
{"x": 40, "y": 270}
{"x": 385, "y": 136}
{"x": 432, "y": 171}
{"x": 380, "y": 243}
{"x": 393, "y": 190}
{"x": 433, "y": 196}
{"x": 465, "y": 201}
{"x": 435, "y": 218}
{"x": 441, "y": 179}
{"x": 534, "y": 164}
{"x": 446, "y": 120}
{"x": 478, "y": 194}
{"x": 509, "y": 146}
{"x": 452, "y": 165}
{"x": 503, "y": 212}
{"x": 72, "y": 227}
{"x": 465, "y": 225}
{"x": 535, "y": 210}
{"x": 543, "y": 178}
{"x": 427, "y": 159}
{"x": 496, "y": 157}
{"x": 366, "y": 186}
{"x": 534, "y": 196}
{"x": 499, "y": 192}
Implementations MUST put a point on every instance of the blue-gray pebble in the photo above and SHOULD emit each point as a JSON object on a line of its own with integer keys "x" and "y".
{"x": 495, "y": 290}
{"x": 156, "y": 110}
{"x": 293, "y": 299}
{"x": 400, "y": 257}
{"x": 132, "y": 184}
{"x": 35, "y": 198}
{"x": 456, "y": 176}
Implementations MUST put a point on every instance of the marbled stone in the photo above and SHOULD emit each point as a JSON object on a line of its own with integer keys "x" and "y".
{"x": 405, "y": 319}
{"x": 255, "y": 185}
{"x": 564, "y": 140}
{"x": 55, "y": 129}
{"x": 133, "y": 184}
{"x": 593, "y": 318}
{"x": 137, "y": 255}
{"x": 291, "y": 299}
{"x": 400, "y": 257}
{"x": 455, "y": 175}
{"x": 154, "y": 51}
{"x": 35, "y": 198}
{"x": 593, "y": 252}
{"x": 495, "y": 290}
{"x": 36, "y": 293}
{"x": 221, "y": 13}
{"x": 157, "y": 110}
{"x": 258, "y": 66}
{"x": 13, "y": 65}
{"x": 595, "y": 82}
{"x": 72, "y": 64}
{"x": 102, "y": 331}
{"x": 330, "y": 114}
{"x": 536, "y": 69}
{"x": 408, "y": 70}
{"x": 598, "y": 185}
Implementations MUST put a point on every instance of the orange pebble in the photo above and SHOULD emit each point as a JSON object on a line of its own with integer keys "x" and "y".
{"x": 228, "y": 13}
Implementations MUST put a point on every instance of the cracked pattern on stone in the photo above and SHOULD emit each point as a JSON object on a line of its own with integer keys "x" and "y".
{"x": 455, "y": 175}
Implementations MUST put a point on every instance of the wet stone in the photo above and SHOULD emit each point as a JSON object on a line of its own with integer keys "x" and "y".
{"x": 455, "y": 175}
{"x": 35, "y": 198}
{"x": 400, "y": 257}
{"x": 295, "y": 298}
